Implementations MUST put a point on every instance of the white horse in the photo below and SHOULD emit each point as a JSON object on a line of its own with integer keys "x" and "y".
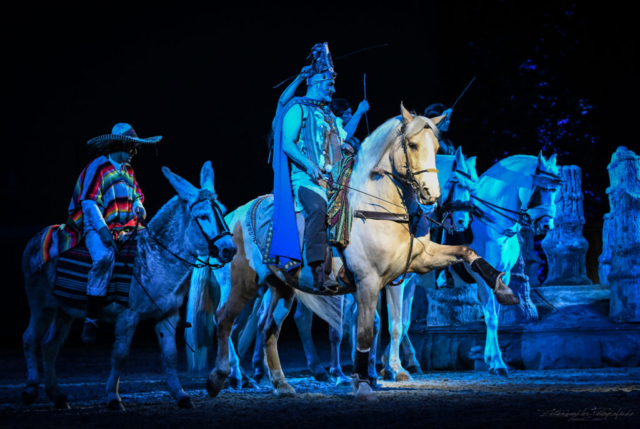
{"x": 460, "y": 181}
{"x": 516, "y": 190}
{"x": 393, "y": 175}
{"x": 187, "y": 226}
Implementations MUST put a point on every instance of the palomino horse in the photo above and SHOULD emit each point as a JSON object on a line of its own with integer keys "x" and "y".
{"x": 394, "y": 169}
{"x": 189, "y": 225}
{"x": 460, "y": 181}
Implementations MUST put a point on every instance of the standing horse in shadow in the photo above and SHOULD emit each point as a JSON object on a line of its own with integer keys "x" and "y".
{"x": 394, "y": 175}
{"x": 460, "y": 180}
{"x": 189, "y": 225}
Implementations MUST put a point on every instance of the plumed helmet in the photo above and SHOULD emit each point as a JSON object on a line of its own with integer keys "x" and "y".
{"x": 321, "y": 64}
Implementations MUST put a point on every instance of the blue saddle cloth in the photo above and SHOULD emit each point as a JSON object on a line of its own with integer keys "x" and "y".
{"x": 73, "y": 269}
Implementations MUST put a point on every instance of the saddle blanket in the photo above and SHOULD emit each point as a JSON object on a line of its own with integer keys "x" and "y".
{"x": 73, "y": 269}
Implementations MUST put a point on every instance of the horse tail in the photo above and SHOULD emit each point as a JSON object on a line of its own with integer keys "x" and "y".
{"x": 329, "y": 308}
{"x": 204, "y": 296}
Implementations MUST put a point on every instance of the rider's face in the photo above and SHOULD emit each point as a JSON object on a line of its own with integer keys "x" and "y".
{"x": 346, "y": 116}
{"x": 326, "y": 89}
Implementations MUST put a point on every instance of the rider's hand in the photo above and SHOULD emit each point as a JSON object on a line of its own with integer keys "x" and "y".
{"x": 304, "y": 73}
{"x": 105, "y": 236}
{"x": 314, "y": 172}
{"x": 363, "y": 107}
{"x": 141, "y": 213}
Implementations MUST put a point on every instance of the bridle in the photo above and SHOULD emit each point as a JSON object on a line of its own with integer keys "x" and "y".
{"x": 214, "y": 251}
{"x": 523, "y": 217}
{"x": 448, "y": 206}
{"x": 410, "y": 182}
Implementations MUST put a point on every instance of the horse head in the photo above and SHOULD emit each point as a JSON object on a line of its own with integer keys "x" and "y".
{"x": 456, "y": 193}
{"x": 540, "y": 203}
{"x": 414, "y": 159}
{"x": 206, "y": 231}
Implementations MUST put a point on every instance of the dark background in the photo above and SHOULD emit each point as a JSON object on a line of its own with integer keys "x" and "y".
{"x": 553, "y": 76}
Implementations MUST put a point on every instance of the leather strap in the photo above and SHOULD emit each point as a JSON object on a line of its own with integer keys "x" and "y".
{"x": 395, "y": 217}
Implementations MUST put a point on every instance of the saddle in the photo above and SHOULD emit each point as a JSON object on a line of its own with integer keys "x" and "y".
{"x": 73, "y": 270}
{"x": 259, "y": 223}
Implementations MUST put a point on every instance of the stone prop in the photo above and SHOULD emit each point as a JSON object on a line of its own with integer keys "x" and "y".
{"x": 564, "y": 245}
{"x": 623, "y": 236}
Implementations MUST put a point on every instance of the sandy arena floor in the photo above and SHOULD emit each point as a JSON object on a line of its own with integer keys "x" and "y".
{"x": 562, "y": 398}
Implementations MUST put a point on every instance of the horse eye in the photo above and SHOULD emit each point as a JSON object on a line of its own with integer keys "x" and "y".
{"x": 203, "y": 217}
{"x": 413, "y": 146}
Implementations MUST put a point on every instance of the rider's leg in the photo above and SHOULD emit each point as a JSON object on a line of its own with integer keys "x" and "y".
{"x": 102, "y": 259}
{"x": 315, "y": 236}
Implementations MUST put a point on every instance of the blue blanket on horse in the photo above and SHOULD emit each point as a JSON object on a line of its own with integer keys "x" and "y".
{"x": 73, "y": 269}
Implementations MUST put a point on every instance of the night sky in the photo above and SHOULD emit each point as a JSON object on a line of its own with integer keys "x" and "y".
{"x": 559, "y": 76}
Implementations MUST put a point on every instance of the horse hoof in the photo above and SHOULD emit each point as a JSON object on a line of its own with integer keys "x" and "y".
{"x": 323, "y": 377}
{"x": 414, "y": 369}
{"x": 249, "y": 383}
{"x": 365, "y": 393}
{"x": 504, "y": 295}
{"x": 403, "y": 376}
{"x": 115, "y": 405}
{"x": 343, "y": 382}
{"x": 258, "y": 376}
{"x": 373, "y": 382}
{"x": 214, "y": 385}
{"x": 501, "y": 372}
{"x": 387, "y": 375}
{"x": 186, "y": 403}
{"x": 61, "y": 403}
{"x": 28, "y": 398}
{"x": 234, "y": 383}
{"x": 284, "y": 390}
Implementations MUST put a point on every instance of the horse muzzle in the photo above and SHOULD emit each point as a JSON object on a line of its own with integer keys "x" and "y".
{"x": 223, "y": 249}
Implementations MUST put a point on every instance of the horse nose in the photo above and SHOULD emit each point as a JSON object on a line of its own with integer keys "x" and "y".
{"x": 229, "y": 253}
{"x": 545, "y": 228}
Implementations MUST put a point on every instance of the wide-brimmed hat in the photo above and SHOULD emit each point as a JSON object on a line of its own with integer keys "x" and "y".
{"x": 120, "y": 133}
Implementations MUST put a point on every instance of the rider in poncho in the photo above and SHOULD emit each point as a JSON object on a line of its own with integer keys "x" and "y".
{"x": 104, "y": 208}
{"x": 307, "y": 143}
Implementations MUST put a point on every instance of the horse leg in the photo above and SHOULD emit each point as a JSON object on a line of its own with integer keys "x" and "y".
{"x": 243, "y": 288}
{"x": 304, "y": 318}
{"x": 257, "y": 361}
{"x": 235, "y": 376}
{"x": 335, "y": 336}
{"x": 54, "y": 338}
{"x": 165, "y": 330}
{"x": 411, "y": 363}
{"x": 393, "y": 370}
{"x": 491, "y": 309}
{"x": 281, "y": 301}
{"x": 366, "y": 299}
{"x": 31, "y": 339}
{"x": 126, "y": 324}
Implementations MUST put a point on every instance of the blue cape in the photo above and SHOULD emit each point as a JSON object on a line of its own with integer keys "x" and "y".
{"x": 285, "y": 245}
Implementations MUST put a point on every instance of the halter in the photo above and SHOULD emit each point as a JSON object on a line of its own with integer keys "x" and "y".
{"x": 214, "y": 251}
{"x": 448, "y": 206}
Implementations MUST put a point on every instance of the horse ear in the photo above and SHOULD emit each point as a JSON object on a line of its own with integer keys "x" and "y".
{"x": 185, "y": 190}
{"x": 471, "y": 163}
{"x": 206, "y": 177}
{"x": 541, "y": 161}
{"x": 438, "y": 119}
{"x": 459, "y": 163}
{"x": 553, "y": 160}
{"x": 406, "y": 116}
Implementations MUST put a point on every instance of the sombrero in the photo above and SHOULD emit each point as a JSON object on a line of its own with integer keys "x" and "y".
{"x": 120, "y": 133}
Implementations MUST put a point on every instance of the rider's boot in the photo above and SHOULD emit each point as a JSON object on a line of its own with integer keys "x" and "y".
{"x": 90, "y": 328}
{"x": 321, "y": 282}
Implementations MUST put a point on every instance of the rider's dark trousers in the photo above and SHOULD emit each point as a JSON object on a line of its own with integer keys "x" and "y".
{"x": 315, "y": 235}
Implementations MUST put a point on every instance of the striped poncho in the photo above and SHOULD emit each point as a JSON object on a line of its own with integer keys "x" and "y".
{"x": 116, "y": 193}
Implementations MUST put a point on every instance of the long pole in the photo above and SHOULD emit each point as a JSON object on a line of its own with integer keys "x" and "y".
{"x": 366, "y": 116}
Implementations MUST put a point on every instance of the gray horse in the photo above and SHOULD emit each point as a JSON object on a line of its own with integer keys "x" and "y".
{"x": 188, "y": 225}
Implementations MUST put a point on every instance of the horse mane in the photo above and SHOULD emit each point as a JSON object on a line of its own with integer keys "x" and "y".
{"x": 164, "y": 216}
{"x": 375, "y": 146}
